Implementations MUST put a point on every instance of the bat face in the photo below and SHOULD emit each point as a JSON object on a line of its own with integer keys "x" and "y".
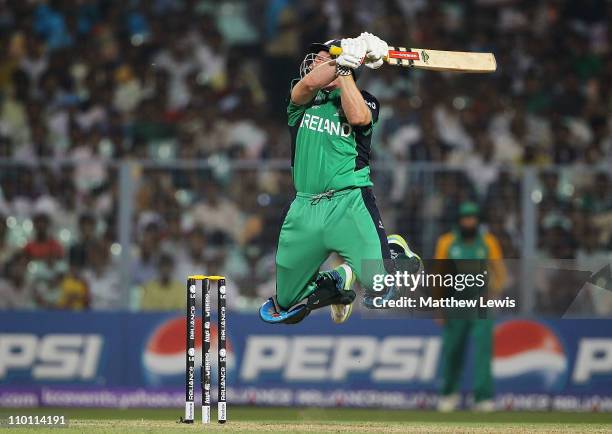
{"x": 455, "y": 61}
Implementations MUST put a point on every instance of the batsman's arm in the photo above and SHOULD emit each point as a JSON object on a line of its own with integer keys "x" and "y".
{"x": 306, "y": 89}
{"x": 353, "y": 104}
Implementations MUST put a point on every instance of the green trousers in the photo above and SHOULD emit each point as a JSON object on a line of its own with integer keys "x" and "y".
{"x": 347, "y": 222}
{"x": 455, "y": 339}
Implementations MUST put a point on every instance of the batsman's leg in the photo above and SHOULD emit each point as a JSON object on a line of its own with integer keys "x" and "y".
{"x": 299, "y": 255}
{"x": 358, "y": 235}
{"x": 300, "y": 287}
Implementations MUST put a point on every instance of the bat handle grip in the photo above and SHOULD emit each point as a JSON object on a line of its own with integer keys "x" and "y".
{"x": 334, "y": 50}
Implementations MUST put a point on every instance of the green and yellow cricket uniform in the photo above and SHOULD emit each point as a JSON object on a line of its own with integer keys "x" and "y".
{"x": 334, "y": 209}
{"x": 456, "y": 331}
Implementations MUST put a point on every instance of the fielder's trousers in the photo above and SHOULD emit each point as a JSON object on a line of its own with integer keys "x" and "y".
{"x": 455, "y": 340}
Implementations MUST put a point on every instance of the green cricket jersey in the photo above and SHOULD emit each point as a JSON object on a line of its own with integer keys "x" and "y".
{"x": 327, "y": 153}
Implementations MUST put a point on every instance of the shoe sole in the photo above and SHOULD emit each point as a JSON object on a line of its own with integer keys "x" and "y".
{"x": 341, "y": 312}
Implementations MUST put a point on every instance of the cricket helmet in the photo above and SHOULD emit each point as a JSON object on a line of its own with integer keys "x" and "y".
{"x": 315, "y": 48}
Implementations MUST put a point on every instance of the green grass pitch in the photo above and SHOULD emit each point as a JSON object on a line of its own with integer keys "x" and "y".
{"x": 302, "y": 420}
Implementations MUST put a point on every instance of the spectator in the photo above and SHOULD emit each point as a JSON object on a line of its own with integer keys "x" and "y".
{"x": 174, "y": 236}
{"x": 164, "y": 292}
{"x": 43, "y": 246}
{"x": 192, "y": 259}
{"x": 218, "y": 214}
{"x": 103, "y": 280}
{"x": 15, "y": 292}
{"x": 6, "y": 249}
{"x": 74, "y": 290}
{"x": 599, "y": 198}
{"x": 144, "y": 268}
{"x": 87, "y": 240}
{"x": 178, "y": 63}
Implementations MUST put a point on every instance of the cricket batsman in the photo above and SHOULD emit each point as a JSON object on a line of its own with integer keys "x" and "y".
{"x": 331, "y": 123}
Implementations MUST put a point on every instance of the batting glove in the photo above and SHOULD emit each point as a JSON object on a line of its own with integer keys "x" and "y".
{"x": 376, "y": 50}
{"x": 353, "y": 53}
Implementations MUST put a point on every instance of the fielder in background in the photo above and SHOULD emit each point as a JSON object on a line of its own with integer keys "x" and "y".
{"x": 331, "y": 123}
{"x": 470, "y": 241}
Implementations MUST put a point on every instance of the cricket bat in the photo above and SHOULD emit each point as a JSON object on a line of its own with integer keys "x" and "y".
{"x": 436, "y": 60}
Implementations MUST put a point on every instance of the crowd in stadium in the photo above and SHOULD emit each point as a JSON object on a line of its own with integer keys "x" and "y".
{"x": 86, "y": 84}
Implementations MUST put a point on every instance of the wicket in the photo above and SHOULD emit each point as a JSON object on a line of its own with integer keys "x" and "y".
{"x": 205, "y": 368}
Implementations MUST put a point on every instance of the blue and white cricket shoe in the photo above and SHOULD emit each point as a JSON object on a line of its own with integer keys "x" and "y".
{"x": 332, "y": 289}
{"x": 272, "y": 313}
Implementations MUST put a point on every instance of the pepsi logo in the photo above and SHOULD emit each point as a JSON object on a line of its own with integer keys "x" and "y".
{"x": 531, "y": 351}
{"x": 164, "y": 353}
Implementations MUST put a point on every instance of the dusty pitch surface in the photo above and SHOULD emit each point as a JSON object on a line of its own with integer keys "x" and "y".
{"x": 319, "y": 420}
